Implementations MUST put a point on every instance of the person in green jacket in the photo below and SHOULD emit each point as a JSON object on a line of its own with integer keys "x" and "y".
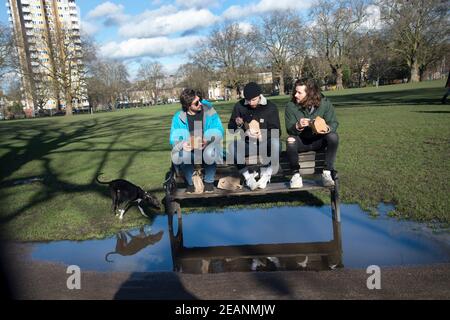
{"x": 307, "y": 103}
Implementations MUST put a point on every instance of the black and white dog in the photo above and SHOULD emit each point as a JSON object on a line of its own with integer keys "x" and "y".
{"x": 125, "y": 193}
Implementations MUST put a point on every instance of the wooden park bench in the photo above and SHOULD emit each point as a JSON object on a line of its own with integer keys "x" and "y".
{"x": 326, "y": 254}
{"x": 311, "y": 167}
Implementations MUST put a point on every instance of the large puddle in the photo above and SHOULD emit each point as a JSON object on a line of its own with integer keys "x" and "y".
{"x": 282, "y": 238}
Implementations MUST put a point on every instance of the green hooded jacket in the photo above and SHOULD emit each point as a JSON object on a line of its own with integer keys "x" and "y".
{"x": 295, "y": 112}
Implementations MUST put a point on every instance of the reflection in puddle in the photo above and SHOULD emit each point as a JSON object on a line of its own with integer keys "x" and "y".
{"x": 323, "y": 255}
{"x": 283, "y": 238}
{"x": 128, "y": 244}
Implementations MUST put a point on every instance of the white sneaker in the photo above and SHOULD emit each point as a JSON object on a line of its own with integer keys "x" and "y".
{"x": 327, "y": 180}
{"x": 266, "y": 174}
{"x": 262, "y": 183}
{"x": 275, "y": 261}
{"x": 257, "y": 263}
{"x": 296, "y": 181}
{"x": 251, "y": 182}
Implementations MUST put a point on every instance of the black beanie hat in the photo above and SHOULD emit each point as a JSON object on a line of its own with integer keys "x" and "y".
{"x": 251, "y": 90}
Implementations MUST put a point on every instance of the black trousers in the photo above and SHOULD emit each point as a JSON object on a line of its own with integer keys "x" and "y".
{"x": 330, "y": 141}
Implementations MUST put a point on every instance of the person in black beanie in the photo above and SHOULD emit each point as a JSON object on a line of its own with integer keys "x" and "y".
{"x": 255, "y": 116}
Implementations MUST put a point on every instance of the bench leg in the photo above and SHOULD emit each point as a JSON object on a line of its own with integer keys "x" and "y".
{"x": 177, "y": 208}
{"x": 176, "y": 240}
{"x": 335, "y": 259}
{"x": 172, "y": 206}
{"x": 335, "y": 208}
{"x": 336, "y": 216}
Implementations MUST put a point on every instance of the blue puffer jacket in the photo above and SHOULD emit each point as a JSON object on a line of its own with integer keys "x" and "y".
{"x": 212, "y": 126}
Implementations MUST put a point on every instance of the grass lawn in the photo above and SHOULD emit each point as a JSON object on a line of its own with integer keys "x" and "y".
{"x": 394, "y": 147}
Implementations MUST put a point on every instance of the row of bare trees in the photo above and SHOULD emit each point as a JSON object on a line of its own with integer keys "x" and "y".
{"x": 418, "y": 31}
{"x": 339, "y": 40}
{"x": 6, "y": 49}
{"x": 62, "y": 67}
{"x": 51, "y": 72}
{"x": 336, "y": 44}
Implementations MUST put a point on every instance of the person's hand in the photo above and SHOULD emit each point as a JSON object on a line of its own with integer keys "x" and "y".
{"x": 239, "y": 121}
{"x": 204, "y": 142}
{"x": 301, "y": 124}
{"x": 252, "y": 135}
{"x": 304, "y": 122}
{"x": 187, "y": 146}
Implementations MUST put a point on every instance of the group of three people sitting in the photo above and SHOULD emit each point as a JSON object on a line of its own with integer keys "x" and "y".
{"x": 196, "y": 134}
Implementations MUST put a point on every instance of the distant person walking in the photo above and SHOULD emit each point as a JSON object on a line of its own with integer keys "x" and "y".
{"x": 447, "y": 87}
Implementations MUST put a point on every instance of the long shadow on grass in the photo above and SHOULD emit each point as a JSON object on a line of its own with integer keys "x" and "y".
{"x": 28, "y": 141}
{"x": 390, "y": 98}
{"x": 431, "y": 111}
{"x": 340, "y": 99}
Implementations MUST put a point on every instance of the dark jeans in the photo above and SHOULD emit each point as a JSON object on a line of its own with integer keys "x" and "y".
{"x": 187, "y": 166}
{"x": 275, "y": 144}
{"x": 330, "y": 141}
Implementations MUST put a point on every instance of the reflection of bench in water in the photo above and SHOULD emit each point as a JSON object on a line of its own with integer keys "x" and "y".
{"x": 311, "y": 167}
{"x": 265, "y": 257}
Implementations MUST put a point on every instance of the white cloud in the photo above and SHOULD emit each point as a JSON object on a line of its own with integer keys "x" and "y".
{"x": 373, "y": 20}
{"x": 113, "y": 13}
{"x": 245, "y": 27}
{"x": 235, "y": 12}
{"x": 167, "y": 20}
{"x": 150, "y": 47}
{"x": 89, "y": 28}
{"x": 197, "y": 3}
{"x": 263, "y": 6}
{"x": 105, "y": 9}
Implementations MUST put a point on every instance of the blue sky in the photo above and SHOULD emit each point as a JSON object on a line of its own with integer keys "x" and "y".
{"x": 163, "y": 30}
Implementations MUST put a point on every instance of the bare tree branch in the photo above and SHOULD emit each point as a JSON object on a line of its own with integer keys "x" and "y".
{"x": 227, "y": 53}
{"x": 280, "y": 39}
{"x": 332, "y": 31}
{"x": 419, "y": 29}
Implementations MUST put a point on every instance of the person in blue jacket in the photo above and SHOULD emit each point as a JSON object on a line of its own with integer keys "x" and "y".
{"x": 196, "y": 138}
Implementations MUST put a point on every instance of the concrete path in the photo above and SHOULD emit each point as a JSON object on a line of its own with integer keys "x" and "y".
{"x": 42, "y": 280}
